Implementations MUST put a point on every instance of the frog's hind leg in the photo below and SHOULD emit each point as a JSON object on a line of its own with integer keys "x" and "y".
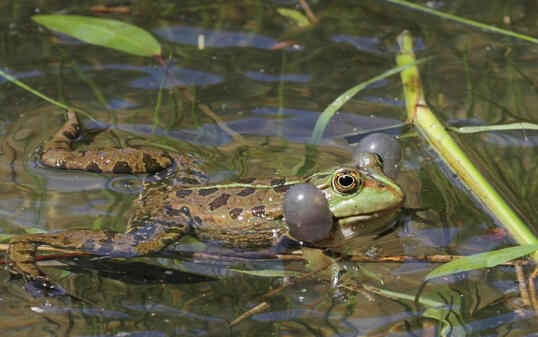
{"x": 58, "y": 152}
{"x": 21, "y": 254}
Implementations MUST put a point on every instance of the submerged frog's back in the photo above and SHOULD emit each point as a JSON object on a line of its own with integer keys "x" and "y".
{"x": 244, "y": 214}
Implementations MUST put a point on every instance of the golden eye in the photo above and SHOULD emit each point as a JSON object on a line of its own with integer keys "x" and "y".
{"x": 347, "y": 180}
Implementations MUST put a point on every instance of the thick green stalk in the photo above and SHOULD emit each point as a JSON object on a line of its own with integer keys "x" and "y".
{"x": 435, "y": 133}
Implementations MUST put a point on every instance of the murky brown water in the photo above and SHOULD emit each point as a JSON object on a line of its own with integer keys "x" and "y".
{"x": 247, "y": 78}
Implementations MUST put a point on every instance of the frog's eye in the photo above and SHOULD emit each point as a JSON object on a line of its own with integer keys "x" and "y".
{"x": 347, "y": 180}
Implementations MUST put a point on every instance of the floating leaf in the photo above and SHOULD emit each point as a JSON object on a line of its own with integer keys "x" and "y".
{"x": 298, "y": 17}
{"x": 108, "y": 33}
{"x": 268, "y": 272}
{"x": 482, "y": 260}
{"x": 501, "y": 127}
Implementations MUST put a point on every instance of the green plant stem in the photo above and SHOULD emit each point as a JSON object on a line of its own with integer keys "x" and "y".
{"x": 420, "y": 115}
{"x": 43, "y": 96}
{"x": 465, "y": 21}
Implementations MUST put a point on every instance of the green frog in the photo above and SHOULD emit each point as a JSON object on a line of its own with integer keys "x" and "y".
{"x": 176, "y": 200}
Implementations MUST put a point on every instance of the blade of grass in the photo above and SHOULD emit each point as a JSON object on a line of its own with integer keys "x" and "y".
{"x": 330, "y": 110}
{"x": 95, "y": 89}
{"x": 500, "y": 127}
{"x": 281, "y": 83}
{"x": 482, "y": 260}
{"x": 268, "y": 272}
{"x": 465, "y": 21}
{"x": 433, "y": 131}
{"x": 41, "y": 95}
{"x": 157, "y": 110}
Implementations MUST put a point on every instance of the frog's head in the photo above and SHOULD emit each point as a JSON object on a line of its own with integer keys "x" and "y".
{"x": 361, "y": 198}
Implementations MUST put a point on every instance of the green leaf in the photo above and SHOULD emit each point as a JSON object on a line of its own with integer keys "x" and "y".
{"x": 482, "y": 260}
{"x": 5, "y": 236}
{"x": 268, "y": 272}
{"x": 96, "y": 225}
{"x": 501, "y": 127}
{"x": 35, "y": 230}
{"x": 108, "y": 33}
{"x": 295, "y": 15}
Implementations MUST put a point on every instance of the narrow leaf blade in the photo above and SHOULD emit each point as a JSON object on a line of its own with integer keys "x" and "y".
{"x": 268, "y": 272}
{"x": 331, "y": 109}
{"x": 502, "y": 127}
{"x": 108, "y": 33}
{"x": 482, "y": 260}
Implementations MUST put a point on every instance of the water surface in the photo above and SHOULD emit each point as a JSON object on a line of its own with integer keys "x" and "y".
{"x": 268, "y": 80}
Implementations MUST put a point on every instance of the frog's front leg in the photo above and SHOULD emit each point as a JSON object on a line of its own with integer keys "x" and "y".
{"x": 58, "y": 153}
{"x": 151, "y": 238}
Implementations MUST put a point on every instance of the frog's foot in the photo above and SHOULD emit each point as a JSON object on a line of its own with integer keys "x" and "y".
{"x": 21, "y": 253}
{"x": 59, "y": 153}
{"x": 21, "y": 263}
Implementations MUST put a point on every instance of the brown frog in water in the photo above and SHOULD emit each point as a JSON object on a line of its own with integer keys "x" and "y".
{"x": 177, "y": 201}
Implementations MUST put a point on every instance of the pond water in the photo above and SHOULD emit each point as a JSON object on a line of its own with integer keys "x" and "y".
{"x": 267, "y": 79}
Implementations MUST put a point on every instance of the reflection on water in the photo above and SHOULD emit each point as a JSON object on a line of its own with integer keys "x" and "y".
{"x": 260, "y": 76}
{"x": 268, "y": 80}
{"x": 217, "y": 38}
{"x": 374, "y": 45}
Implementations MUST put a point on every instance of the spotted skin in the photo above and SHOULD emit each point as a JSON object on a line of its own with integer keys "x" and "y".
{"x": 58, "y": 153}
{"x": 176, "y": 200}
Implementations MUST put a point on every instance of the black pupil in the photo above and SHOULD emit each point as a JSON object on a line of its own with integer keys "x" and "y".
{"x": 346, "y": 180}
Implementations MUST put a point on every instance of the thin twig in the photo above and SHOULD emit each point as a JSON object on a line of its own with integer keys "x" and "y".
{"x": 281, "y": 257}
{"x": 522, "y": 285}
{"x": 311, "y": 16}
{"x": 260, "y": 307}
{"x": 532, "y": 290}
{"x": 421, "y": 258}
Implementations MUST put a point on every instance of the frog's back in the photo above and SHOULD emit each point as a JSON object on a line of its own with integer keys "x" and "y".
{"x": 238, "y": 215}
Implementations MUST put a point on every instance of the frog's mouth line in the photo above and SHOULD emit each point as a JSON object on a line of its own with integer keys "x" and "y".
{"x": 358, "y": 219}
